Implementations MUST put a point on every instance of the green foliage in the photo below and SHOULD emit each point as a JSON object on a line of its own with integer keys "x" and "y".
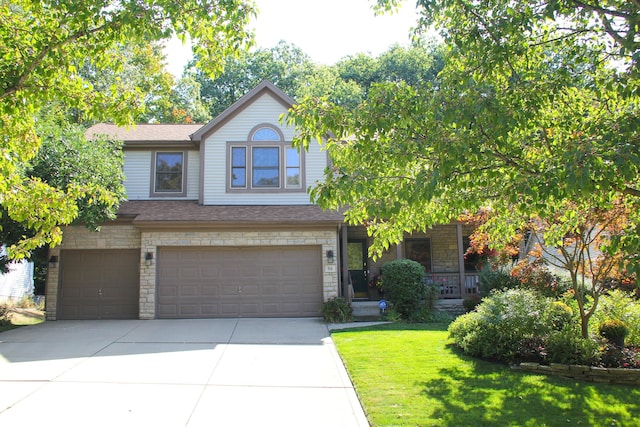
{"x": 427, "y": 315}
{"x": 391, "y": 315}
{"x": 285, "y": 65}
{"x": 615, "y": 356}
{"x": 619, "y": 305}
{"x": 569, "y": 347}
{"x": 431, "y": 296}
{"x": 534, "y": 116}
{"x": 471, "y": 302}
{"x": 293, "y": 72}
{"x": 500, "y": 323}
{"x": 336, "y": 310}
{"x": 496, "y": 277}
{"x": 559, "y": 316}
{"x": 91, "y": 173}
{"x": 614, "y": 330}
{"x": 403, "y": 283}
{"x": 535, "y": 275}
{"x": 45, "y": 48}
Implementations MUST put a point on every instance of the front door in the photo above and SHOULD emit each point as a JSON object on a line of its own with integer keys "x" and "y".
{"x": 357, "y": 265}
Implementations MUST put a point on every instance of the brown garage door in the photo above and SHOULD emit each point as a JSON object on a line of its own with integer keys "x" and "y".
{"x": 99, "y": 284}
{"x": 239, "y": 282}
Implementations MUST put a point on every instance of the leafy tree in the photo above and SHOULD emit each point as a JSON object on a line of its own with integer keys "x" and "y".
{"x": 44, "y": 45}
{"x": 292, "y": 71}
{"x": 528, "y": 114}
{"x": 187, "y": 102}
{"x": 65, "y": 160}
{"x": 579, "y": 253}
{"x": 416, "y": 65}
{"x": 285, "y": 65}
{"x": 535, "y": 116}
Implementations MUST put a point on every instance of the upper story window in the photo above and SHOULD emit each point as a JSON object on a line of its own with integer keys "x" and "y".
{"x": 265, "y": 162}
{"x": 168, "y": 174}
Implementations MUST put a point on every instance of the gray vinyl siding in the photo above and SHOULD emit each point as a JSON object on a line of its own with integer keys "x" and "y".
{"x": 137, "y": 171}
{"x": 264, "y": 110}
{"x": 138, "y": 179}
{"x": 193, "y": 175}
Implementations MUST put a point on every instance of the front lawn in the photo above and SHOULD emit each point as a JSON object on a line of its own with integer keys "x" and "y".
{"x": 411, "y": 375}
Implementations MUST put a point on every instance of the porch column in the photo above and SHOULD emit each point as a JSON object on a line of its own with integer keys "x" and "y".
{"x": 344, "y": 268}
{"x": 461, "y": 250}
{"x": 399, "y": 251}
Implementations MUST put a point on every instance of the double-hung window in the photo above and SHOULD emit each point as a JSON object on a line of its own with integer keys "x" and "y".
{"x": 169, "y": 173}
{"x": 265, "y": 162}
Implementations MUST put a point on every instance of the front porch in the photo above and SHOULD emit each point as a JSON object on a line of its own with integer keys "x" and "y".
{"x": 441, "y": 250}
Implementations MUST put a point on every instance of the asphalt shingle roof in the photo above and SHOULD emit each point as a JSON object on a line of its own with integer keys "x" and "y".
{"x": 145, "y": 132}
{"x": 183, "y": 211}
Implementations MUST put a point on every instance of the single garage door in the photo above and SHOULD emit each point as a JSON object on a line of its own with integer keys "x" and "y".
{"x": 199, "y": 282}
{"x": 99, "y": 284}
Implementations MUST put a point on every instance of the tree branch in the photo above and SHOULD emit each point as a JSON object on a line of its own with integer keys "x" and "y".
{"x": 600, "y": 9}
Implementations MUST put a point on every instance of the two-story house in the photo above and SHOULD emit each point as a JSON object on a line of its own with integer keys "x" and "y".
{"x": 218, "y": 223}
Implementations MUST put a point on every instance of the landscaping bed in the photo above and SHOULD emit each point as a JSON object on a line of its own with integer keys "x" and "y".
{"x": 14, "y": 317}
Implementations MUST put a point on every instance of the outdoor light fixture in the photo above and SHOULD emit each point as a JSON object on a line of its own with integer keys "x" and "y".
{"x": 148, "y": 258}
{"x": 53, "y": 261}
{"x": 330, "y": 256}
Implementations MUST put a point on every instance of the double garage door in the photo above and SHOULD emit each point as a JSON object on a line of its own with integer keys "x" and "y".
{"x": 200, "y": 282}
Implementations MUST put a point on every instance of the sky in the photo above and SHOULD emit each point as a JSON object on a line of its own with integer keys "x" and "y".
{"x": 326, "y": 30}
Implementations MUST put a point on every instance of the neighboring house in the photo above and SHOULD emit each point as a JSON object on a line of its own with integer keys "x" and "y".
{"x": 218, "y": 223}
{"x": 17, "y": 283}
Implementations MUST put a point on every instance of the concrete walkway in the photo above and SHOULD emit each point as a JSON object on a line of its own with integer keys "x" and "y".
{"x": 209, "y": 372}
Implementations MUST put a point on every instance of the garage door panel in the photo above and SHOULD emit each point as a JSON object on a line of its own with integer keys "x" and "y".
{"x": 241, "y": 281}
{"x": 99, "y": 284}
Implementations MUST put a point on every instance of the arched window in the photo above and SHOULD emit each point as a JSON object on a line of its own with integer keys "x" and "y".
{"x": 265, "y": 134}
{"x": 265, "y": 162}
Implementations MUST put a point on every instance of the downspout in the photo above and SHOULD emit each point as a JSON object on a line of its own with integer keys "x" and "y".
{"x": 344, "y": 272}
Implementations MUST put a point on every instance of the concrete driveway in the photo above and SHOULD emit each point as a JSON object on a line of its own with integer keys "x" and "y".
{"x": 205, "y": 372}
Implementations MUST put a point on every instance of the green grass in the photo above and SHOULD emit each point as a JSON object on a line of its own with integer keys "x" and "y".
{"x": 411, "y": 375}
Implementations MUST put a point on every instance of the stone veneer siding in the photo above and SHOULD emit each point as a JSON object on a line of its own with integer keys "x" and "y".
{"x": 151, "y": 240}
{"x": 77, "y": 237}
{"x": 128, "y": 237}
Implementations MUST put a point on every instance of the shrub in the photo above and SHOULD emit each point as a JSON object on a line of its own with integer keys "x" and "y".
{"x": 559, "y": 315}
{"x": 496, "y": 278}
{"x": 403, "y": 282}
{"x": 464, "y": 331}
{"x": 614, "y": 330}
{"x": 500, "y": 323}
{"x": 471, "y": 302}
{"x": 567, "y": 346}
{"x": 431, "y": 295}
{"x": 536, "y": 276}
{"x": 532, "y": 349}
{"x": 435, "y": 316}
{"x": 336, "y": 310}
{"x": 613, "y": 356}
{"x": 391, "y": 315}
{"x": 619, "y": 305}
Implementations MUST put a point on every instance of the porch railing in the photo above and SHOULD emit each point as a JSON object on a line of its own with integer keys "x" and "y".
{"x": 449, "y": 284}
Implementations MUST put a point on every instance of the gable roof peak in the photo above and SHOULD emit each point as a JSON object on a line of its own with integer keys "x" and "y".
{"x": 263, "y": 87}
